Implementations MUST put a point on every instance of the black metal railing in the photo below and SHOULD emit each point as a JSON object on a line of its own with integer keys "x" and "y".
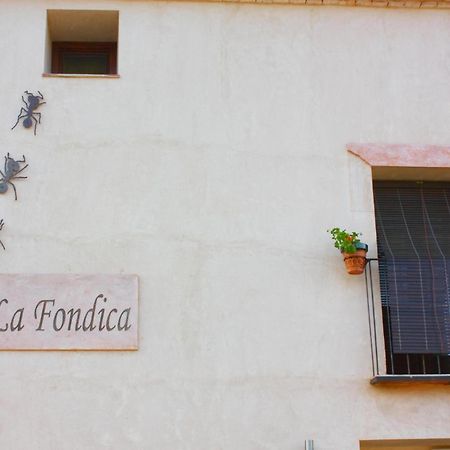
{"x": 372, "y": 316}
{"x": 381, "y": 344}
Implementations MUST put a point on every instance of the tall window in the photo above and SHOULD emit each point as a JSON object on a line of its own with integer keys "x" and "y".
{"x": 413, "y": 229}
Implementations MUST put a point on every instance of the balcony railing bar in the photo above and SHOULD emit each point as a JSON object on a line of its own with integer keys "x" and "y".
{"x": 371, "y": 316}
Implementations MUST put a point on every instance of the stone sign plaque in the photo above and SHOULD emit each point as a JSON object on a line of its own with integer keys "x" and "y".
{"x": 68, "y": 312}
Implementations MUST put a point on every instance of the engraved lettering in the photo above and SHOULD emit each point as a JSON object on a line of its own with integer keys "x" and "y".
{"x": 6, "y": 324}
{"x": 91, "y": 311}
{"x": 125, "y": 314}
{"x": 16, "y": 321}
{"x": 70, "y": 314}
{"x": 44, "y": 312}
{"x": 61, "y": 313}
{"x": 108, "y": 326}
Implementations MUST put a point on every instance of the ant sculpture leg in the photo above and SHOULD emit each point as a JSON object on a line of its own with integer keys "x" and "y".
{"x": 23, "y": 160}
{"x": 2, "y": 181}
{"x": 37, "y": 96}
{"x": 35, "y": 121}
{"x": 1, "y": 227}
{"x": 15, "y": 192}
{"x": 21, "y": 177}
{"x": 20, "y": 116}
{"x": 38, "y": 114}
{"x": 23, "y": 168}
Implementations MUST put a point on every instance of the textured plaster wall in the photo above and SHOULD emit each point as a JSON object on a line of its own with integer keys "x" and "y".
{"x": 212, "y": 169}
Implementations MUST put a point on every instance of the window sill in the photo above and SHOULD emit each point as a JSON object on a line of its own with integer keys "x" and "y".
{"x": 410, "y": 379}
{"x": 78, "y": 75}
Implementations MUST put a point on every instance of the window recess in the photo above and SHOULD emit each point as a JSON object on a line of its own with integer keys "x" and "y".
{"x": 82, "y": 42}
{"x": 413, "y": 232}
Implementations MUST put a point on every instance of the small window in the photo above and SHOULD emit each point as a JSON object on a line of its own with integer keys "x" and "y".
{"x": 84, "y": 57}
{"x": 82, "y": 42}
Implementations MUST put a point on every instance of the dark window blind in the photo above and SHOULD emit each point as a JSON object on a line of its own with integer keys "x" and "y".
{"x": 413, "y": 230}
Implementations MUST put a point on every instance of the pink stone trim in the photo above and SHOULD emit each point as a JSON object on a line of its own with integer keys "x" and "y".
{"x": 398, "y": 155}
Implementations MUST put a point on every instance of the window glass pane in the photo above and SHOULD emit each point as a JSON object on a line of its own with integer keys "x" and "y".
{"x": 90, "y": 63}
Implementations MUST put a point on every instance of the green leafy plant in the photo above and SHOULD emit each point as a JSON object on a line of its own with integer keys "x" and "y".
{"x": 343, "y": 240}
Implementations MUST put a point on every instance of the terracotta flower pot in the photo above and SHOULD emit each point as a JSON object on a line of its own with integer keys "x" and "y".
{"x": 356, "y": 262}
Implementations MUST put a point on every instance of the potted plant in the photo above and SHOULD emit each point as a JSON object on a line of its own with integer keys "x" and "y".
{"x": 353, "y": 250}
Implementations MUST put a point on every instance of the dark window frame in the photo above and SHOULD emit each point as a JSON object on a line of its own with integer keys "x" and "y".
{"x": 80, "y": 48}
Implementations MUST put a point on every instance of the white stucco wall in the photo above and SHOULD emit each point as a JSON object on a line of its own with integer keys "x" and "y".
{"x": 212, "y": 169}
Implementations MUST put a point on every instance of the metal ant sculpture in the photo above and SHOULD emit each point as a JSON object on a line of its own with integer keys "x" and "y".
{"x": 28, "y": 114}
{"x": 1, "y": 226}
{"x": 11, "y": 170}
